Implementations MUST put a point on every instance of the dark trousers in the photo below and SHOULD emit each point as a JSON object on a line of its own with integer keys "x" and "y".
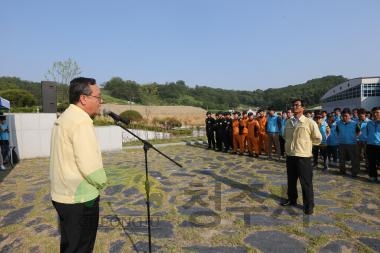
{"x": 227, "y": 140}
{"x": 373, "y": 155}
{"x": 219, "y": 139}
{"x": 211, "y": 139}
{"x": 4, "y": 144}
{"x": 362, "y": 150}
{"x": 332, "y": 152}
{"x": 300, "y": 168}
{"x": 273, "y": 138}
{"x": 282, "y": 145}
{"x": 78, "y": 225}
{"x": 349, "y": 152}
{"x": 320, "y": 149}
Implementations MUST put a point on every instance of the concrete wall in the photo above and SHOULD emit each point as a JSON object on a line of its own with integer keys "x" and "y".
{"x": 110, "y": 137}
{"x": 146, "y": 135}
{"x": 370, "y": 102}
{"x": 31, "y": 134}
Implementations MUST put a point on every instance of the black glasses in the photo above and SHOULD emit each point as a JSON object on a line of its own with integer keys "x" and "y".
{"x": 297, "y": 105}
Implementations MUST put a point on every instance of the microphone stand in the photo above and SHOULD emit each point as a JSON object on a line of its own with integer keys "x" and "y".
{"x": 146, "y": 147}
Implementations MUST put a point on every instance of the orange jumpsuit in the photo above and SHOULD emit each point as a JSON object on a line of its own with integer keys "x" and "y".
{"x": 235, "y": 135}
{"x": 262, "y": 134}
{"x": 252, "y": 137}
{"x": 243, "y": 132}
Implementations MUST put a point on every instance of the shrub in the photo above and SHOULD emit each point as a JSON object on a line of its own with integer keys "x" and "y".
{"x": 131, "y": 115}
{"x": 103, "y": 121}
{"x": 172, "y": 122}
{"x": 61, "y": 107}
{"x": 18, "y": 97}
{"x": 178, "y": 132}
{"x": 33, "y": 109}
{"x": 167, "y": 123}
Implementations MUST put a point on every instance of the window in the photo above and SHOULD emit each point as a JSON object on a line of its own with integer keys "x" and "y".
{"x": 371, "y": 89}
{"x": 353, "y": 92}
{"x": 377, "y": 90}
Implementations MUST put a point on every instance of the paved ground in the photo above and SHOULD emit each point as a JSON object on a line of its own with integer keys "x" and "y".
{"x": 216, "y": 203}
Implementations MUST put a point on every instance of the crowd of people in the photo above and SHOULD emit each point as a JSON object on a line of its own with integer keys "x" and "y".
{"x": 347, "y": 135}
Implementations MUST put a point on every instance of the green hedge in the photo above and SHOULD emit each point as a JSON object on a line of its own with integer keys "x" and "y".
{"x": 132, "y": 115}
{"x": 178, "y": 132}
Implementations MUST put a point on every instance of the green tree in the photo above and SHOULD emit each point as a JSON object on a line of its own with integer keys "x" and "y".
{"x": 128, "y": 90}
{"x": 63, "y": 72}
{"x": 18, "y": 97}
{"x": 9, "y": 82}
{"x": 172, "y": 91}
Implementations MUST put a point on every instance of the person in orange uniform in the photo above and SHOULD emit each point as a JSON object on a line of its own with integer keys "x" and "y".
{"x": 262, "y": 120}
{"x": 253, "y": 134}
{"x": 243, "y": 132}
{"x": 235, "y": 132}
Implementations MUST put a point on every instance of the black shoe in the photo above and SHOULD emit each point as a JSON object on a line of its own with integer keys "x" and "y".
{"x": 309, "y": 212}
{"x": 288, "y": 203}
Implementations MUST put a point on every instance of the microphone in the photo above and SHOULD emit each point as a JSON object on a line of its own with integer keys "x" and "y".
{"x": 116, "y": 117}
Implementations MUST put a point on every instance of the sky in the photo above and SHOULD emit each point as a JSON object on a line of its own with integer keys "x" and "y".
{"x": 229, "y": 44}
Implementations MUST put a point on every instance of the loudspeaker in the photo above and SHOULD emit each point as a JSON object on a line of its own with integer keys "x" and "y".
{"x": 49, "y": 96}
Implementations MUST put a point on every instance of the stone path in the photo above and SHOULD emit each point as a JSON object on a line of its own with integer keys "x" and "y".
{"x": 216, "y": 203}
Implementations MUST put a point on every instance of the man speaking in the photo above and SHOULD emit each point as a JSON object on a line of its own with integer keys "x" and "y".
{"x": 76, "y": 167}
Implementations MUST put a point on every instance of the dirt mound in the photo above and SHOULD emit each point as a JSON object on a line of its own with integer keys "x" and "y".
{"x": 188, "y": 115}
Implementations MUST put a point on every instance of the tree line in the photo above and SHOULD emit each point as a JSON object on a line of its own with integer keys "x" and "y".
{"x": 26, "y": 94}
{"x": 23, "y": 93}
{"x": 178, "y": 93}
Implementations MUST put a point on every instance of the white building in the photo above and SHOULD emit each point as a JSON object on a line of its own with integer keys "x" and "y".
{"x": 362, "y": 92}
